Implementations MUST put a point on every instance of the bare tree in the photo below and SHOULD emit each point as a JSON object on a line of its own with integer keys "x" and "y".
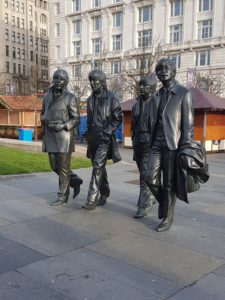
{"x": 212, "y": 83}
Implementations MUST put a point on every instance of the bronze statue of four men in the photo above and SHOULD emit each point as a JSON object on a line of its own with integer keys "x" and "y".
{"x": 161, "y": 132}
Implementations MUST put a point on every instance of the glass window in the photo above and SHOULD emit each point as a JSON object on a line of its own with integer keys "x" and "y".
{"x": 57, "y": 29}
{"x": 13, "y": 4}
{"x": 205, "y": 5}
{"x": 76, "y": 70}
{"x": 22, "y": 8}
{"x": 23, "y": 54}
{"x": 18, "y": 22}
{"x": 96, "y": 3}
{"x": 205, "y": 29}
{"x": 6, "y": 19}
{"x": 18, "y": 37}
{"x": 23, "y": 39}
{"x": 117, "y": 19}
{"x": 176, "y": 33}
{"x": 14, "y": 68}
{"x": 176, "y": 8}
{"x": 30, "y": 9}
{"x": 203, "y": 58}
{"x": 13, "y": 36}
{"x": 22, "y": 23}
{"x": 76, "y": 48}
{"x": 13, "y": 20}
{"x": 77, "y": 27}
{"x": 75, "y": 5}
{"x": 14, "y": 52}
{"x": 176, "y": 59}
{"x": 7, "y": 67}
{"x": 24, "y": 70}
{"x": 145, "y": 14}
{"x": 57, "y": 8}
{"x": 96, "y": 21}
{"x": 117, "y": 1}
{"x": 96, "y": 46}
{"x": 6, "y": 4}
{"x": 117, "y": 42}
{"x": 18, "y": 53}
{"x": 17, "y": 5}
{"x": 7, "y": 50}
{"x": 7, "y": 34}
{"x": 144, "y": 38}
{"x": 116, "y": 67}
{"x": 31, "y": 41}
{"x": 57, "y": 52}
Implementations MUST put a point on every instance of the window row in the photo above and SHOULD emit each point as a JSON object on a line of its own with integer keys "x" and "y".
{"x": 15, "y": 5}
{"x": 202, "y": 59}
{"x": 16, "y": 69}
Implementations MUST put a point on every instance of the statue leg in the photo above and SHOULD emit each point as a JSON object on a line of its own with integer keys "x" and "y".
{"x": 104, "y": 189}
{"x": 75, "y": 182}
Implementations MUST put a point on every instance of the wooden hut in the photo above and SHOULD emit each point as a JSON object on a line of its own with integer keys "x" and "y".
{"x": 209, "y": 120}
{"x": 19, "y": 112}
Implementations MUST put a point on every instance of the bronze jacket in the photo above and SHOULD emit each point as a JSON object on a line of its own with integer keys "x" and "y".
{"x": 177, "y": 116}
{"x": 65, "y": 111}
{"x": 111, "y": 116}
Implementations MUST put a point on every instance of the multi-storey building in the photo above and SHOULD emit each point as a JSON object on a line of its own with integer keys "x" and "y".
{"x": 24, "y": 54}
{"x": 191, "y": 32}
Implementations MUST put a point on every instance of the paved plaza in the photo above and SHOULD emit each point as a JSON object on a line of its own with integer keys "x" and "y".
{"x": 69, "y": 253}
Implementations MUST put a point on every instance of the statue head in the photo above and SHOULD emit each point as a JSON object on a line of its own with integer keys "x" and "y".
{"x": 97, "y": 80}
{"x": 165, "y": 70}
{"x": 147, "y": 85}
{"x": 60, "y": 79}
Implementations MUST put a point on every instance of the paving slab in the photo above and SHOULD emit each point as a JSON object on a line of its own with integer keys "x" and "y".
{"x": 47, "y": 236}
{"x": 14, "y": 255}
{"x": 82, "y": 282}
{"x": 210, "y": 287}
{"x": 173, "y": 262}
{"x": 16, "y": 286}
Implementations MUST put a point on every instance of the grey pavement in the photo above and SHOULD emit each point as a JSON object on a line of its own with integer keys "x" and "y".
{"x": 71, "y": 254}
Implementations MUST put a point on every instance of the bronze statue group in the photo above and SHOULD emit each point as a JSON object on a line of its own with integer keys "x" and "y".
{"x": 170, "y": 163}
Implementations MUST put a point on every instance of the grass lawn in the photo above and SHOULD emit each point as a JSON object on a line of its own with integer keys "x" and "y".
{"x": 16, "y": 161}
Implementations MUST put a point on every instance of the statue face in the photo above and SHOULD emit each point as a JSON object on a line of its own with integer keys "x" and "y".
{"x": 59, "y": 82}
{"x": 145, "y": 88}
{"x": 96, "y": 85}
{"x": 165, "y": 73}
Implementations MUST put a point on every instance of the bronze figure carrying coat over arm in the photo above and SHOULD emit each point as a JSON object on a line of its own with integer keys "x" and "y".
{"x": 104, "y": 116}
{"x": 59, "y": 117}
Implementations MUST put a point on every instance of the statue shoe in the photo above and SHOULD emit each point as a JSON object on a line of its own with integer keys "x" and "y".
{"x": 59, "y": 202}
{"x": 89, "y": 205}
{"x": 164, "y": 225}
{"x": 102, "y": 201}
{"x": 142, "y": 212}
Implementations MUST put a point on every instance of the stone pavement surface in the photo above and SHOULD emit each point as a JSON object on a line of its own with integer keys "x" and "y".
{"x": 68, "y": 253}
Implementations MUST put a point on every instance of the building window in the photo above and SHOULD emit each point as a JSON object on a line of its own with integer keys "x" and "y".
{"x": 176, "y": 33}
{"x": 95, "y": 64}
{"x": 57, "y": 29}
{"x": 22, "y": 23}
{"x": 13, "y": 4}
{"x": 13, "y": 36}
{"x": 24, "y": 70}
{"x": 57, "y": 8}
{"x": 7, "y": 50}
{"x": 13, "y": 21}
{"x": 175, "y": 59}
{"x": 31, "y": 41}
{"x": 96, "y": 21}
{"x": 76, "y": 70}
{"x": 36, "y": 44}
{"x": 144, "y": 38}
{"x": 14, "y": 68}
{"x": 44, "y": 46}
{"x": 18, "y": 37}
{"x": 96, "y": 46}
{"x": 205, "y": 29}
{"x": 43, "y": 19}
{"x": 176, "y": 8}
{"x": 205, "y": 5}
{"x": 14, "y": 52}
{"x": 96, "y": 3}
{"x": 143, "y": 63}
{"x": 7, "y": 34}
{"x": 31, "y": 56}
{"x": 22, "y": 8}
{"x": 57, "y": 52}
{"x": 18, "y": 53}
{"x": 117, "y": 1}
{"x": 31, "y": 26}
{"x": 117, "y": 42}
{"x": 7, "y": 67}
{"x": 19, "y": 68}
{"x": 75, "y": 5}
{"x": 203, "y": 58}
{"x": 23, "y": 54}
{"x": 145, "y": 14}
{"x": 77, "y": 27}
{"x": 18, "y": 22}
{"x": 117, "y": 19}
{"x": 116, "y": 67}
{"x": 6, "y": 19}
{"x": 6, "y": 4}
{"x": 23, "y": 39}
{"x": 17, "y": 5}
{"x": 30, "y": 10}
{"x": 76, "y": 48}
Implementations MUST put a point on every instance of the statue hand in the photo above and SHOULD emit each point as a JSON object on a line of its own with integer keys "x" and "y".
{"x": 58, "y": 127}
